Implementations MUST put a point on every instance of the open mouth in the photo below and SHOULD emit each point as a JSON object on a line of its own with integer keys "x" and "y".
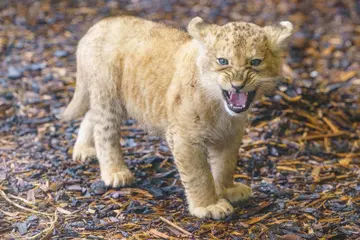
{"x": 238, "y": 101}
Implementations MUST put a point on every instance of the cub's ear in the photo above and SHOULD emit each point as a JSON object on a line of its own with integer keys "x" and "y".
{"x": 197, "y": 28}
{"x": 278, "y": 34}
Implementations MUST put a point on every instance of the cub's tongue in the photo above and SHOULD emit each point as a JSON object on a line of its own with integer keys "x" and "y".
{"x": 238, "y": 99}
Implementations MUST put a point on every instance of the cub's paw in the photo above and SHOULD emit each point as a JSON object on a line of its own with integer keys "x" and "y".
{"x": 219, "y": 210}
{"x": 118, "y": 178}
{"x": 239, "y": 192}
{"x": 82, "y": 152}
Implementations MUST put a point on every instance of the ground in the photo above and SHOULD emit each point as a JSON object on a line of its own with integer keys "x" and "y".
{"x": 301, "y": 154}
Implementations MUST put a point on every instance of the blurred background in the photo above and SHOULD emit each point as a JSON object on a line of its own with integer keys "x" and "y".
{"x": 301, "y": 154}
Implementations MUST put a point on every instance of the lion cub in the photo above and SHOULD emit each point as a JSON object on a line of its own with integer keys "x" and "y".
{"x": 195, "y": 89}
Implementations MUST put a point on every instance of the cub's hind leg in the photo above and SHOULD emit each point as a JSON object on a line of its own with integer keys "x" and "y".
{"x": 84, "y": 146}
{"x": 107, "y": 120}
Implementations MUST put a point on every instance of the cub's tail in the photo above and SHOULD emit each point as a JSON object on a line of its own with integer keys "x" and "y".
{"x": 79, "y": 103}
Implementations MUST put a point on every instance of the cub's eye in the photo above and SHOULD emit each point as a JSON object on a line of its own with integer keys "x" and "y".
{"x": 255, "y": 62}
{"x": 222, "y": 61}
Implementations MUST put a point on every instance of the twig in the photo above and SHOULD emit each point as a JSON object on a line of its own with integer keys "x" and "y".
{"x": 325, "y": 198}
{"x": 158, "y": 234}
{"x": 2, "y": 193}
{"x": 9, "y": 214}
{"x": 175, "y": 226}
{"x": 46, "y": 231}
{"x": 320, "y": 136}
{"x": 22, "y": 199}
{"x": 2, "y": 230}
{"x": 288, "y": 98}
{"x": 258, "y": 219}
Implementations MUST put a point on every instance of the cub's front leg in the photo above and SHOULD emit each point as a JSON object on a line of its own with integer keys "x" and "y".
{"x": 195, "y": 174}
{"x": 223, "y": 161}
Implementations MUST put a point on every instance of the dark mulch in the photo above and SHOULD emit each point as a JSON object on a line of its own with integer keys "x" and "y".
{"x": 301, "y": 155}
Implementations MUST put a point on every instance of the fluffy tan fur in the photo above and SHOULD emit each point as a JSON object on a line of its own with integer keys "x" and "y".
{"x": 171, "y": 83}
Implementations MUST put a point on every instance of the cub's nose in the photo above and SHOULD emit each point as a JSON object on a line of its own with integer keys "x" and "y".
{"x": 238, "y": 88}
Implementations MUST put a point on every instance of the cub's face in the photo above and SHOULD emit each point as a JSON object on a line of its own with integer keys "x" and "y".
{"x": 239, "y": 61}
